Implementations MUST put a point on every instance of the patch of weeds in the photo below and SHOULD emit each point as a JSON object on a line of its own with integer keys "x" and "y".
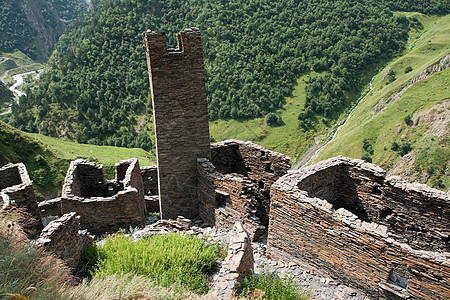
{"x": 171, "y": 259}
{"x": 269, "y": 286}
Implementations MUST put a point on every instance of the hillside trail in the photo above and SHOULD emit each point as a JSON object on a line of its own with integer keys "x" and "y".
{"x": 316, "y": 150}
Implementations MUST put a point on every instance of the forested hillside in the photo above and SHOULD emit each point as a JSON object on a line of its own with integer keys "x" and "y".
{"x": 403, "y": 124}
{"x": 34, "y": 26}
{"x": 96, "y": 89}
{"x": 5, "y": 94}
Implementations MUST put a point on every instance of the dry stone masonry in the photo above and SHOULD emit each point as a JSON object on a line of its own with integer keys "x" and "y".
{"x": 18, "y": 192}
{"x": 379, "y": 234}
{"x": 234, "y": 185}
{"x": 151, "y": 193}
{"x": 238, "y": 264}
{"x": 63, "y": 238}
{"x": 104, "y": 206}
{"x": 177, "y": 82}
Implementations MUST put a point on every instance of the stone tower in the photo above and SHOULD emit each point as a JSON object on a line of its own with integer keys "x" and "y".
{"x": 177, "y": 83}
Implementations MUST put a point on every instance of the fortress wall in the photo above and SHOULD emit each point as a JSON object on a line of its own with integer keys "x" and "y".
{"x": 177, "y": 82}
{"x": 347, "y": 236}
{"x": 106, "y": 214}
{"x": 256, "y": 163}
{"x": 150, "y": 179}
{"x": 10, "y": 176}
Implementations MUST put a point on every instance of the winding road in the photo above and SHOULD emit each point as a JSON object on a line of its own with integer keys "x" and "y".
{"x": 19, "y": 80}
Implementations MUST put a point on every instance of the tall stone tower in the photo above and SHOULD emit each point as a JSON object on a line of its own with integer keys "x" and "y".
{"x": 177, "y": 82}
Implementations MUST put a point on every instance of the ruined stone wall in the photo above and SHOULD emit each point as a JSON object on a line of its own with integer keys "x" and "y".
{"x": 133, "y": 180}
{"x": 177, "y": 82}
{"x": 9, "y": 176}
{"x": 84, "y": 179}
{"x": 236, "y": 266}
{"x": 257, "y": 164}
{"x": 361, "y": 234}
{"x": 225, "y": 199}
{"x": 115, "y": 207}
{"x": 150, "y": 179}
{"x": 64, "y": 239}
{"x": 151, "y": 193}
{"x": 414, "y": 213}
{"x": 18, "y": 187}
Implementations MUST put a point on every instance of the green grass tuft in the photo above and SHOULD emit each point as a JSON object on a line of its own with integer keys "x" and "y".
{"x": 270, "y": 286}
{"x": 172, "y": 259}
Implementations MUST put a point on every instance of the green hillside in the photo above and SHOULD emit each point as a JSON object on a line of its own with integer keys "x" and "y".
{"x": 5, "y": 95}
{"x": 255, "y": 54}
{"x": 47, "y": 159}
{"x": 408, "y": 136}
{"x": 34, "y": 26}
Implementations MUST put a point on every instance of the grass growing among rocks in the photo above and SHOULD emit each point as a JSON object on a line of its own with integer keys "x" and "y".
{"x": 172, "y": 259}
{"x": 268, "y": 286}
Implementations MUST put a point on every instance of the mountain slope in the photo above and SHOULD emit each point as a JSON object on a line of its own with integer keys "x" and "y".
{"x": 34, "y": 26}
{"x": 404, "y": 126}
{"x": 254, "y": 54}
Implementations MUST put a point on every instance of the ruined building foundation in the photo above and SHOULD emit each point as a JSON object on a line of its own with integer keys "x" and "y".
{"x": 177, "y": 82}
{"x": 103, "y": 205}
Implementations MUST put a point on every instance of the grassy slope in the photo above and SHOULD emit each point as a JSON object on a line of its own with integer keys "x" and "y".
{"x": 289, "y": 139}
{"x": 426, "y": 47}
{"x": 47, "y": 159}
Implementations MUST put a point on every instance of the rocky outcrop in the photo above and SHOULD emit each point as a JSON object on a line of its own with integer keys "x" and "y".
{"x": 438, "y": 66}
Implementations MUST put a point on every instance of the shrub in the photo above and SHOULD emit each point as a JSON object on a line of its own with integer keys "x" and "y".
{"x": 272, "y": 287}
{"x": 273, "y": 120}
{"x": 391, "y": 77}
{"x": 394, "y": 146}
{"x": 168, "y": 259}
{"x": 408, "y": 69}
{"x": 405, "y": 148}
{"x": 366, "y": 157}
{"x": 367, "y": 146}
{"x": 408, "y": 120}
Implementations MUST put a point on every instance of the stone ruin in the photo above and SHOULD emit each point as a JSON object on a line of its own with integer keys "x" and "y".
{"x": 342, "y": 216}
{"x": 377, "y": 233}
{"x": 235, "y": 184}
{"x": 17, "y": 192}
{"x": 151, "y": 193}
{"x": 180, "y": 112}
{"x": 103, "y": 205}
{"x": 62, "y": 237}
